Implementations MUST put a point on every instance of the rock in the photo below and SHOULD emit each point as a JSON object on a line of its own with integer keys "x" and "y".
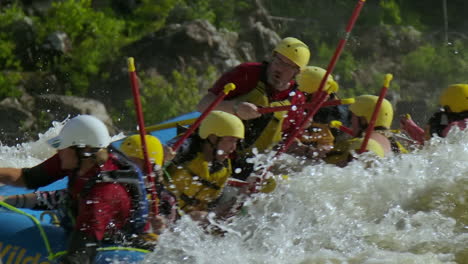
{"x": 387, "y": 41}
{"x": 262, "y": 39}
{"x": 196, "y": 43}
{"x": 17, "y": 123}
{"x": 39, "y": 83}
{"x": 59, "y": 107}
{"x": 57, "y": 43}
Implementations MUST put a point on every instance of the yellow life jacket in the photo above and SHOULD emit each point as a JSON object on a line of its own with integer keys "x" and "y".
{"x": 340, "y": 153}
{"x": 263, "y": 132}
{"x": 193, "y": 184}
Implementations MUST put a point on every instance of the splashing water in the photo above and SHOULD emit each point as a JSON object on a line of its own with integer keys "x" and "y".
{"x": 409, "y": 208}
{"x": 32, "y": 153}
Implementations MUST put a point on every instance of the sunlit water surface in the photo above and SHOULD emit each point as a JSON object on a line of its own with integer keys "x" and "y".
{"x": 410, "y": 208}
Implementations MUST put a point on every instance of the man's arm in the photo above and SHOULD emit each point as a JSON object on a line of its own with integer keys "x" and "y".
{"x": 28, "y": 200}
{"x": 226, "y": 106}
{"x": 412, "y": 129}
{"x": 244, "y": 110}
{"x": 12, "y": 176}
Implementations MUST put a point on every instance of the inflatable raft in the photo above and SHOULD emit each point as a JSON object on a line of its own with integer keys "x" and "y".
{"x": 34, "y": 237}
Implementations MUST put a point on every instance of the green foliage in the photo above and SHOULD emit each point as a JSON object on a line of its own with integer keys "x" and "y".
{"x": 437, "y": 65}
{"x": 221, "y": 13}
{"x": 162, "y": 100}
{"x": 149, "y": 16}
{"x": 8, "y": 82}
{"x": 7, "y": 57}
{"x": 96, "y": 38}
{"x": 391, "y": 12}
{"x": 8, "y": 60}
{"x": 344, "y": 68}
{"x": 199, "y": 9}
{"x": 228, "y": 13}
{"x": 417, "y": 64}
{"x": 9, "y": 16}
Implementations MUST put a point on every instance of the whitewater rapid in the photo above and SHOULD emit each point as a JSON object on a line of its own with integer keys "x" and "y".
{"x": 410, "y": 208}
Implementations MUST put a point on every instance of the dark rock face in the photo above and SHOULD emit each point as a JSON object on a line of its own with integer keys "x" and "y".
{"x": 196, "y": 44}
{"x": 59, "y": 107}
{"x": 16, "y": 122}
{"x": 23, "y": 119}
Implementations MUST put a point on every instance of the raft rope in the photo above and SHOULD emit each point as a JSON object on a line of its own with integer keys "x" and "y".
{"x": 38, "y": 225}
{"x": 43, "y": 234}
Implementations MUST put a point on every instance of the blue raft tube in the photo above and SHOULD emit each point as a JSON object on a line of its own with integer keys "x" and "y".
{"x": 34, "y": 237}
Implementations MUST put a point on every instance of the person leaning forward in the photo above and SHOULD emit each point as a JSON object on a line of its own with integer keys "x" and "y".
{"x": 263, "y": 85}
{"x": 454, "y": 113}
{"x": 84, "y": 156}
{"x": 201, "y": 168}
{"x": 361, "y": 114}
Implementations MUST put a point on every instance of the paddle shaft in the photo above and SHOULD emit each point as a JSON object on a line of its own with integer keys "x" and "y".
{"x": 266, "y": 110}
{"x": 227, "y": 88}
{"x": 370, "y": 128}
{"x": 141, "y": 127}
{"x": 321, "y": 96}
{"x": 170, "y": 125}
{"x": 262, "y": 110}
{"x": 346, "y": 130}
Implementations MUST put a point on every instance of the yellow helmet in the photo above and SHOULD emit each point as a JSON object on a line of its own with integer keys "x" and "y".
{"x": 364, "y": 106}
{"x": 455, "y": 97}
{"x": 131, "y": 147}
{"x": 372, "y": 146}
{"x": 295, "y": 50}
{"x": 310, "y": 77}
{"x": 221, "y": 124}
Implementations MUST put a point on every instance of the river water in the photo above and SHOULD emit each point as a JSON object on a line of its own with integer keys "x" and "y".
{"x": 410, "y": 208}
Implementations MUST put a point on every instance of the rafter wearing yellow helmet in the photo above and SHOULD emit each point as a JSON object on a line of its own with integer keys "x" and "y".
{"x": 454, "y": 113}
{"x": 265, "y": 84}
{"x": 362, "y": 111}
{"x": 201, "y": 168}
{"x": 347, "y": 150}
{"x": 310, "y": 78}
{"x": 131, "y": 147}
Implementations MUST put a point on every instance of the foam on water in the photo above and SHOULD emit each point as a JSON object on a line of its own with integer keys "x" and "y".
{"x": 29, "y": 154}
{"x": 32, "y": 153}
{"x": 410, "y": 208}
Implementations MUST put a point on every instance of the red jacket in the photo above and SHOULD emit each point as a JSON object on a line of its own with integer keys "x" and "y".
{"x": 105, "y": 207}
{"x": 246, "y": 77}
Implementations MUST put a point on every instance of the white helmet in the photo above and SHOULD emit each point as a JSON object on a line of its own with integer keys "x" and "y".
{"x": 81, "y": 131}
